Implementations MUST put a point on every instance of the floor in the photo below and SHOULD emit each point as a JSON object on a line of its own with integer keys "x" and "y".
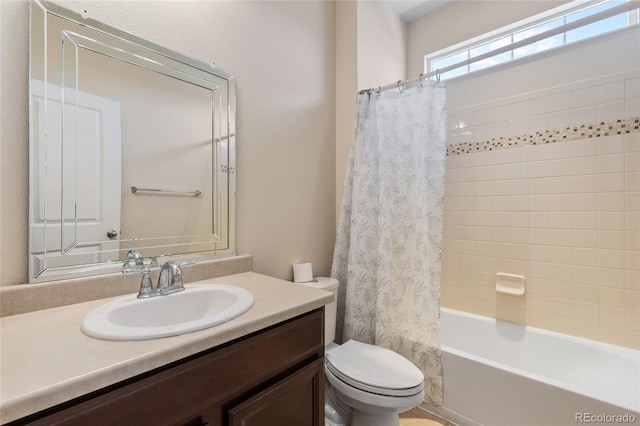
{"x": 419, "y": 417}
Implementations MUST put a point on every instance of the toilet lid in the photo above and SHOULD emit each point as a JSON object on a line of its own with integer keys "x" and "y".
{"x": 375, "y": 369}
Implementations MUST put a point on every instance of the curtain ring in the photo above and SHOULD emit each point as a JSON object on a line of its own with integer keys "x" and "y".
{"x": 398, "y": 84}
{"x": 378, "y": 90}
{"x": 438, "y": 74}
{"x": 420, "y": 80}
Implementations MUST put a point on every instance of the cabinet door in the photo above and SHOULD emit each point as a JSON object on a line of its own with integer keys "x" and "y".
{"x": 297, "y": 400}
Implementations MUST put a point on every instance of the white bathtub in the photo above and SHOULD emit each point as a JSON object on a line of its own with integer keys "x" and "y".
{"x": 499, "y": 373}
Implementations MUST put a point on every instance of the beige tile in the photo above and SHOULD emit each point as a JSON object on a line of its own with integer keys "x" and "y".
{"x": 539, "y": 253}
{"x": 584, "y": 183}
{"x": 633, "y": 319}
{"x": 561, "y": 185}
{"x": 587, "y": 312}
{"x": 613, "y": 316}
{"x": 585, "y": 202}
{"x": 518, "y": 186}
{"x": 561, "y": 290}
{"x": 561, "y": 271}
{"x": 562, "y": 237}
{"x": 560, "y": 202}
{"x": 611, "y": 220}
{"x": 518, "y": 219}
{"x": 633, "y": 280}
{"x": 466, "y": 277}
{"x": 632, "y": 201}
{"x": 538, "y": 169}
{"x": 612, "y": 297}
{"x": 633, "y": 240}
{"x": 539, "y": 219}
{"x": 500, "y": 203}
{"x": 585, "y": 165}
{"x": 616, "y": 240}
{"x": 585, "y": 238}
{"x": 562, "y": 220}
{"x": 510, "y": 235}
{"x": 611, "y": 201}
{"x": 586, "y": 293}
{"x": 613, "y": 163}
{"x": 633, "y": 260}
{"x": 632, "y": 219}
{"x": 585, "y": 220}
{"x": 632, "y": 162}
{"x": 585, "y": 256}
{"x": 542, "y": 185}
{"x": 539, "y": 235}
{"x": 632, "y": 142}
{"x": 539, "y": 202}
{"x": 518, "y": 203}
{"x": 540, "y": 270}
{"x": 585, "y": 147}
{"x": 537, "y": 286}
{"x": 612, "y": 277}
{"x": 585, "y": 274}
{"x": 611, "y": 144}
{"x": 560, "y": 150}
{"x": 538, "y": 303}
{"x": 561, "y": 167}
{"x": 610, "y": 182}
{"x": 485, "y": 279}
{"x": 562, "y": 254}
{"x": 614, "y": 259}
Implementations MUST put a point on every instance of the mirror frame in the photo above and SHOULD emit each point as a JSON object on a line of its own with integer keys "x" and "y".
{"x": 207, "y": 247}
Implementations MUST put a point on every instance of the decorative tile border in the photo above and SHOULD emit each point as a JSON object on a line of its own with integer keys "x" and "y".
{"x": 584, "y": 131}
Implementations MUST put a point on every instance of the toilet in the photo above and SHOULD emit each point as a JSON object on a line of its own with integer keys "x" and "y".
{"x": 365, "y": 385}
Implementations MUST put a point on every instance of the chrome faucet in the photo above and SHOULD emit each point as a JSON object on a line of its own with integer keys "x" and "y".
{"x": 146, "y": 285}
{"x": 135, "y": 256}
{"x": 164, "y": 287}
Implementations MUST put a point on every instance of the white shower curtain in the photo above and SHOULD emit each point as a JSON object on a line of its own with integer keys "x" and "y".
{"x": 388, "y": 245}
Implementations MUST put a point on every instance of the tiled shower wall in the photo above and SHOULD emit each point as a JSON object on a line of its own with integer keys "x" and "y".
{"x": 547, "y": 185}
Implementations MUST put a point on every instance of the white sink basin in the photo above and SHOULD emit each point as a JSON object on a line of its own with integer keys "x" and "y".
{"x": 196, "y": 308}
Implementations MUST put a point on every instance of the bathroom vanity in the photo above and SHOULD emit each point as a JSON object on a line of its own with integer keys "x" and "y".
{"x": 262, "y": 368}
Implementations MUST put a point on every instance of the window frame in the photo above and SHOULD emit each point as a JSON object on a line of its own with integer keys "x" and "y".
{"x": 561, "y": 12}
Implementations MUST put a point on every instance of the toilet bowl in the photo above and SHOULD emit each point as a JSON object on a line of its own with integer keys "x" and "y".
{"x": 366, "y": 385}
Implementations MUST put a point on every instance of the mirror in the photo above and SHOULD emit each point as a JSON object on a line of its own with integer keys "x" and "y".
{"x": 132, "y": 147}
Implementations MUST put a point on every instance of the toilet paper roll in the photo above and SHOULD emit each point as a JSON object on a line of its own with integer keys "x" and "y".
{"x": 302, "y": 273}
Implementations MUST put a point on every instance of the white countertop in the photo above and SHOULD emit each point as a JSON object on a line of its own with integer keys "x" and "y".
{"x": 45, "y": 359}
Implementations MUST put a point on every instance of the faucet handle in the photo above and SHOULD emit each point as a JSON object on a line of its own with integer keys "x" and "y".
{"x": 146, "y": 286}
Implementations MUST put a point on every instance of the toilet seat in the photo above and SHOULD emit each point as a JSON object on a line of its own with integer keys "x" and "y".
{"x": 374, "y": 369}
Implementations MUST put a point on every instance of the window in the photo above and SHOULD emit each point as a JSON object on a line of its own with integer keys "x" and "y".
{"x": 553, "y": 19}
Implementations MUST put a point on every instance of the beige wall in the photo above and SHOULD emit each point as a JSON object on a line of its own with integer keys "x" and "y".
{"x": 346, "y": 87}
{"x": 283, "y": 56}
{"x": 381, "y": 45}
{"x": 462, "y": 20}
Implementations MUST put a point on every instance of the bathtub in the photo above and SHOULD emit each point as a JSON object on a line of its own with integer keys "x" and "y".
{"x": 500, "y": 373}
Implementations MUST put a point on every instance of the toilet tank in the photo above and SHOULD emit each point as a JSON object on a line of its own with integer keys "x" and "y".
{"x": 328, "y": 284}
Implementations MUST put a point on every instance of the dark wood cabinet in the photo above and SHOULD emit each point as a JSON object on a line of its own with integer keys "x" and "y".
{"x": 296, "y": 400}
{"x": 271, "y": 378}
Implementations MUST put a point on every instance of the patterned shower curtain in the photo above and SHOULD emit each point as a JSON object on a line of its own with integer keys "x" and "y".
{"x": 388, "y": 245}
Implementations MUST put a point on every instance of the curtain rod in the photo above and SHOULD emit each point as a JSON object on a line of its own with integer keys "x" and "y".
{"x": 530, "y": 40}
